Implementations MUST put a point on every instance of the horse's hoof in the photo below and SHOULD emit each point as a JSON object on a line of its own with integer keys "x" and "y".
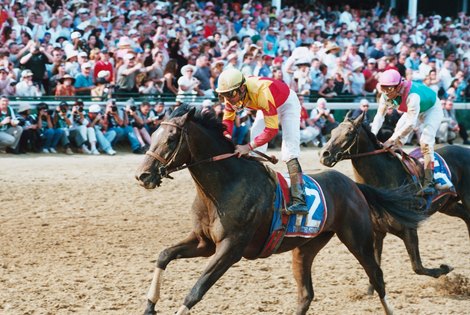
{"x": 150, "y": 310}
{"x": 446, "y": 269}
{"x": 370, "y": 290}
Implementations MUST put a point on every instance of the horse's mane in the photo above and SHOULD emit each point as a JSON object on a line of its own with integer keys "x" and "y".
{"x": 371, "y": 136}
{"x": 207, "y": 119}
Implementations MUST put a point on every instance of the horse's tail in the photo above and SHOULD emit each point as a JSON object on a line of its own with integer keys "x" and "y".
{"x": 400, "y": 203}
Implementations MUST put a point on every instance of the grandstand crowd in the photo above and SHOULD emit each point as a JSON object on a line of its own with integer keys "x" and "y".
{"x": 100, "y": 51}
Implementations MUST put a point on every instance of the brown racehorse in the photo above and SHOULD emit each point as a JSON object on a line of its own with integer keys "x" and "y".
{"x": 233, "y": 208}
{"x": 373, "y": 166}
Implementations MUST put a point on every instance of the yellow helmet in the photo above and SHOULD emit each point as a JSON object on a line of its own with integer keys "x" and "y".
{"x": 230, "y": 80}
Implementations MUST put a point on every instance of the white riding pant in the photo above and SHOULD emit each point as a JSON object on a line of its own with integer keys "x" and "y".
{"x": 430, "y": 121}
{"x": 289, "y": 119}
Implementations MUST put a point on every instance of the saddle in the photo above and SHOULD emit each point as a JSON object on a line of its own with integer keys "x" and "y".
{"x": 413, "y": 166}
{"x": 410, "y": 163}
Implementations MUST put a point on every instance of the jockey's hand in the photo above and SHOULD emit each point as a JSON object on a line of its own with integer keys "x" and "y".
{"x": 242, "y": 149}
{"x": 393, "y": 144}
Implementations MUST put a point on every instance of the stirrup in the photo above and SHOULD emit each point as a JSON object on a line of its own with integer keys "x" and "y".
{"x": 297, "y": 208}
{"x": 427, "y": 191}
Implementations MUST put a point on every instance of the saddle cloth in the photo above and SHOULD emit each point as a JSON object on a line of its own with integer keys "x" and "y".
{"x": 442, "y": 175}
{"x": 283, "y": 225}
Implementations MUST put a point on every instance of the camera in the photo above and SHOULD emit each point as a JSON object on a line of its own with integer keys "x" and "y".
{"x": 50, "y": 112}
{"x": 114, "y": 108}
{"x": 133, "y": 108}
{"x": 63, "y": 109}
{"x": 80, "y": 109}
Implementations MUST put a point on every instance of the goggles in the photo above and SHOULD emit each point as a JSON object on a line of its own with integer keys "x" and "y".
{"x": 388, "y": 89}
{"x": 231, "y": 94}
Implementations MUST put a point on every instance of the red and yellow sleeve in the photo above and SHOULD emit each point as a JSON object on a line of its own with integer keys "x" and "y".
{"x": 267, "y": 105}
{"x": 228, "y": 119}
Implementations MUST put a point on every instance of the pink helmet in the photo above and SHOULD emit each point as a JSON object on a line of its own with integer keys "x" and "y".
{"x": 390, "y": 78}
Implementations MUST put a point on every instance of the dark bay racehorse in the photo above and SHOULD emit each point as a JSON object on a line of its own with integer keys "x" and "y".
{"x": 373, "y": 166}
{"x": 233, "y": 208}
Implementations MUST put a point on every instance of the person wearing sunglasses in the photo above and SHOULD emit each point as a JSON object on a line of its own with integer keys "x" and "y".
{"x": 275, "y": 103}
{"x": 418, "y": 103}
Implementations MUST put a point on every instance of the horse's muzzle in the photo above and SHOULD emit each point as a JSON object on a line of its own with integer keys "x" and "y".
{"x": 148, "y": 180}
{"x": 328, "y": 159}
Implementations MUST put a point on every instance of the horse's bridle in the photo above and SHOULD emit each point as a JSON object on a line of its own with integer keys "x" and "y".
{"x": 164, "y": 171}
{"x": 357, "y": 154}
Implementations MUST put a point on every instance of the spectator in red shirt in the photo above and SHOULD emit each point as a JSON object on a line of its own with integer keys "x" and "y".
{"x": 103, "y": 65}
{"x": 371, "y": 74}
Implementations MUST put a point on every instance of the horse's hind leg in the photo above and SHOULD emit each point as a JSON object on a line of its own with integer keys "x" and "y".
{"x": 410, "y": 238}
{"x": 190, "y": 247}
{"x": 302, "y": 259}
{"x": 357, "y": 236}
{"x": 378, "y": 246}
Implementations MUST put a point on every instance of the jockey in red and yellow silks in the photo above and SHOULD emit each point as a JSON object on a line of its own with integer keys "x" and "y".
{"x": 266, "y": 95}
{"x": 275, "y": 104}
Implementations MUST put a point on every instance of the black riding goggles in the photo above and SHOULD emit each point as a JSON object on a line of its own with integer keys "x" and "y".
{"x": 231, "y": 94}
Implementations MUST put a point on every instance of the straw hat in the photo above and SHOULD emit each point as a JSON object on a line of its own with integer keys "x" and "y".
{"x": 185, "y": 69}
{"x": 332, "y": 47}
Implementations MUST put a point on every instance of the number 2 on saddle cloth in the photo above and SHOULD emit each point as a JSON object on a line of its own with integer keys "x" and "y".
{"x": 283, "y": 225}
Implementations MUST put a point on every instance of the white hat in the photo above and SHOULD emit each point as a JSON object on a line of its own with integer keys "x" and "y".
{"x": 82, "y": 26}
{"x": 23, "y": 107}
{"x": 94, "y": 108}
{"x": 363, "y": 102}
{"x": 83, "y": 54}
{"x": 423, "y": 56}
{"x": 321, "y": 100}
{"x": 71, "y": 54}
{"x": 103, "y": 74}
{"x": 232, "y": 56}
{"x": 302, "y": 61}
{"x": 75, "y": 35}
{"x": 356, "y": 65}
{"x": 185, "y": 68}
{"x": 26, "y": 73}
{"x": 317, "y": 44}
{"x": 86, "y": 65}
{"x": 371, "y": 60}
{"x": 82, "y": 11}
{"x": 129, "y": 56}
{"x": 133, "y": 32}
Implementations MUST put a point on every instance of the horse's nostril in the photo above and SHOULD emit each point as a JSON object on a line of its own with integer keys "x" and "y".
{"x": 142, "y": 177}
{"x": 326, "y": 153}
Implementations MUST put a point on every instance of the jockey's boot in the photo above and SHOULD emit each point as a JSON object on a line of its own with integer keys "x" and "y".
{"x": 429, "y": 184}
{"x": 297, "y": 189}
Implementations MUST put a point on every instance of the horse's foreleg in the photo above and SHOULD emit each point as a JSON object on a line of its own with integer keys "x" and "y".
{"x": 229, "y": 251}
{"x": 378, "y": 246}
{"x": 410, "y": 238}
{"x": 302, "y": 259}
{"x": 190, "y": 247}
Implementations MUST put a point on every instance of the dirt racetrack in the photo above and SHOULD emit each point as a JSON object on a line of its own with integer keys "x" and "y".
{"x": 78, "y": 235}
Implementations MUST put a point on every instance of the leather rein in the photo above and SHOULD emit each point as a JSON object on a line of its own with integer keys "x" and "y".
{"x": 357, "y": 154}
{"x": 165, "y": 172}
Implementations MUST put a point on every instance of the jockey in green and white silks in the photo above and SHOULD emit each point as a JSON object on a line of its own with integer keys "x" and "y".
{"x": 418, "y": 103}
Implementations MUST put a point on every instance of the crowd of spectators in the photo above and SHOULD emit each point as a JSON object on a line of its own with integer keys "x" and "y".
{"x": 99, "y": 50}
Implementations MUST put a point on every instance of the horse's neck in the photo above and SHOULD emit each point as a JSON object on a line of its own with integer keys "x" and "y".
{"x": 381, "y": 170}
{"x": 214, "y": 175}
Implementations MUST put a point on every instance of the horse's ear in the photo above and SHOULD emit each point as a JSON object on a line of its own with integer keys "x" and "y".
{"x": 348, "y": 115}
{"x": 359, "y": 119}
{"x": 190, "y": 114}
